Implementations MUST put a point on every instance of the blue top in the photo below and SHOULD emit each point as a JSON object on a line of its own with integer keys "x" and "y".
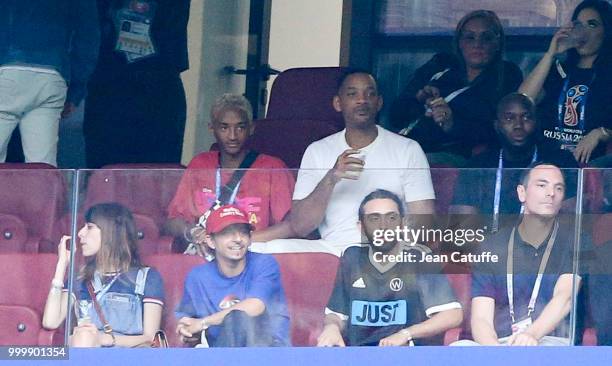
{"x": 122, "y": 299}
{"x": 58, "y": 34}
{"x": 208, "y": 291}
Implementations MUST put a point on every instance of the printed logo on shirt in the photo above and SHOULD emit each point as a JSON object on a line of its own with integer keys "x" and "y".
{"x": 359, "y": 283}
{"x": 228, "y": 301}
{"x": 396, "y": 284}
{"x": 377, "y": 314}
{"x": 205, "y": 198}
{"x": 574, "y": 104}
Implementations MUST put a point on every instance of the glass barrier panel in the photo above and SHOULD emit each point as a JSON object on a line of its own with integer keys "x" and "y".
{"x": 384, "y": 253}
{"x": 35, "y": 210}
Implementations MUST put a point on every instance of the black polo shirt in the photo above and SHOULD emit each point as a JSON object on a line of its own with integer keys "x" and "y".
{"x": 489, "y": 279}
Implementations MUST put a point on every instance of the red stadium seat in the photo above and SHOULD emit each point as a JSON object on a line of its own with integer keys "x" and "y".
{"x": 306, "y": 93}
{"x": 146, "y": 189}
{"x": 461, "y": 283}
{"x": 602, "y": 230}
{"x": 308, "y": 280}
{"x": 593, "y": 191}
{"x": 443, "y": 180}
{"x": 173, "y": 269}
{"x": 285, "y": 139}
{"x": 288, "y": 140}
{"x": 589, "y": 338}
{"x": 13, "y": 234}
{"x": 32, "y": 198}
{"x": 24, "y": 286}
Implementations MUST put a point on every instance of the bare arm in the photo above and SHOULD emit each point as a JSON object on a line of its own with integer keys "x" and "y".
{"x": 187, "y": 327}
{"x": 556, "y": 310}
{"x": 282, "y": 230}
{"x": 532, "y": 85}
{"x": 331, "y": 335}
{"x": 483, "y": 329}
{"x": 308, "y": 213}
{"x": 56, "y": 306}
{"x": 438, "y": 323}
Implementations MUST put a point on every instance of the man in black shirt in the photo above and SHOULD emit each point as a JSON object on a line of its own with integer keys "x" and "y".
{"x": 517, "y": 130}
{"x": 524, "y": 299}
{"x": 380, "y": 300}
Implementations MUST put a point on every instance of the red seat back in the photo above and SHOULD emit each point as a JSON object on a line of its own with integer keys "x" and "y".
{"x": 306, "y": 93}
{"x": 173, "y": 269}
{"x": 37, "y": 197}
{"x": 602, "y": 229}
{"x": 26, "y": 278}
{"x": 593, "y": 191}
{"x": 13, "y": 234}
{"x": 287, "y": 140}
{"x": 24, "y": 286}
{"x": 20, "y": 325}
{"x": 443, "y": 180}
{"x": 308, "y": 280}
{"x": 145, "y": 191}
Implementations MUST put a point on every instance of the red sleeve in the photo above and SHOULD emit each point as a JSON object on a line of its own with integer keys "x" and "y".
{"x": 183, "y": 203}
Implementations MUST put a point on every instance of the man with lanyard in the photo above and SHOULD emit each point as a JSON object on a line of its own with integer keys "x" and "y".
{"x": 381, "y": 302}
{"x": 523, "y": 300}
{"x": 332, "y": 180}
{"x": 264, "y": 191}
{"x": 517, "y": 129}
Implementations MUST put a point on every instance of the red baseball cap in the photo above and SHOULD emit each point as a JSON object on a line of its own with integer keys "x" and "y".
{"x": 225, "y": 216}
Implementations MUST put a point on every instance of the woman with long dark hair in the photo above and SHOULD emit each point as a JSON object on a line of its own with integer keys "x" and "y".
{"x": 575, "y": 96}
{"x": 449, "y": 104}
{"x": 129, "y": 295}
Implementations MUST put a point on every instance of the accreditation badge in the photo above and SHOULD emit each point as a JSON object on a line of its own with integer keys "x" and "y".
{"x": 134, "y": 21}
{"x": 521, "y": 325}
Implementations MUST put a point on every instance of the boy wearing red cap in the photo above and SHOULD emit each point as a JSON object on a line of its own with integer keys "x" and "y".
{"x": 238, "y": 298}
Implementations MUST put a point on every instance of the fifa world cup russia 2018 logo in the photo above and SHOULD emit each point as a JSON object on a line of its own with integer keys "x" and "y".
{"x": 573, "y": 103}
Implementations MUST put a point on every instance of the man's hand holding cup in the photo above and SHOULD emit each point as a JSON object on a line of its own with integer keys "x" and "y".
{"x": 349, "y": 165}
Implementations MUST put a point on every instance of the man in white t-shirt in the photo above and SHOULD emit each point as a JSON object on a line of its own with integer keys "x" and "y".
{"x": 337, "y": 172}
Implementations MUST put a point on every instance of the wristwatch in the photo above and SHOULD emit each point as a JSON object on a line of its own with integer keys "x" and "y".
{"x": 605, "y": 132}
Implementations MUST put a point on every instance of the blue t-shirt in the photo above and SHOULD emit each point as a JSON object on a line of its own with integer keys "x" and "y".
{"x": 208, "y": 291}
{"x": 123, "y": 308}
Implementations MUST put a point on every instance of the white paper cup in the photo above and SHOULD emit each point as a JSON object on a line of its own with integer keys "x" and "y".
{"x": 354, "y": 173}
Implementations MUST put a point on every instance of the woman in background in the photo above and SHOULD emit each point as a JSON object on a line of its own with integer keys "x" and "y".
{"x": 449, "y": 104}
{"x": 575, "y": 96}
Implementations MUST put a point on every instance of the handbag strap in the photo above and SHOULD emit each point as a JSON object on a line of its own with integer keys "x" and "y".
{"x": 107, "y": 327}
{"x": 227, "y": 190}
